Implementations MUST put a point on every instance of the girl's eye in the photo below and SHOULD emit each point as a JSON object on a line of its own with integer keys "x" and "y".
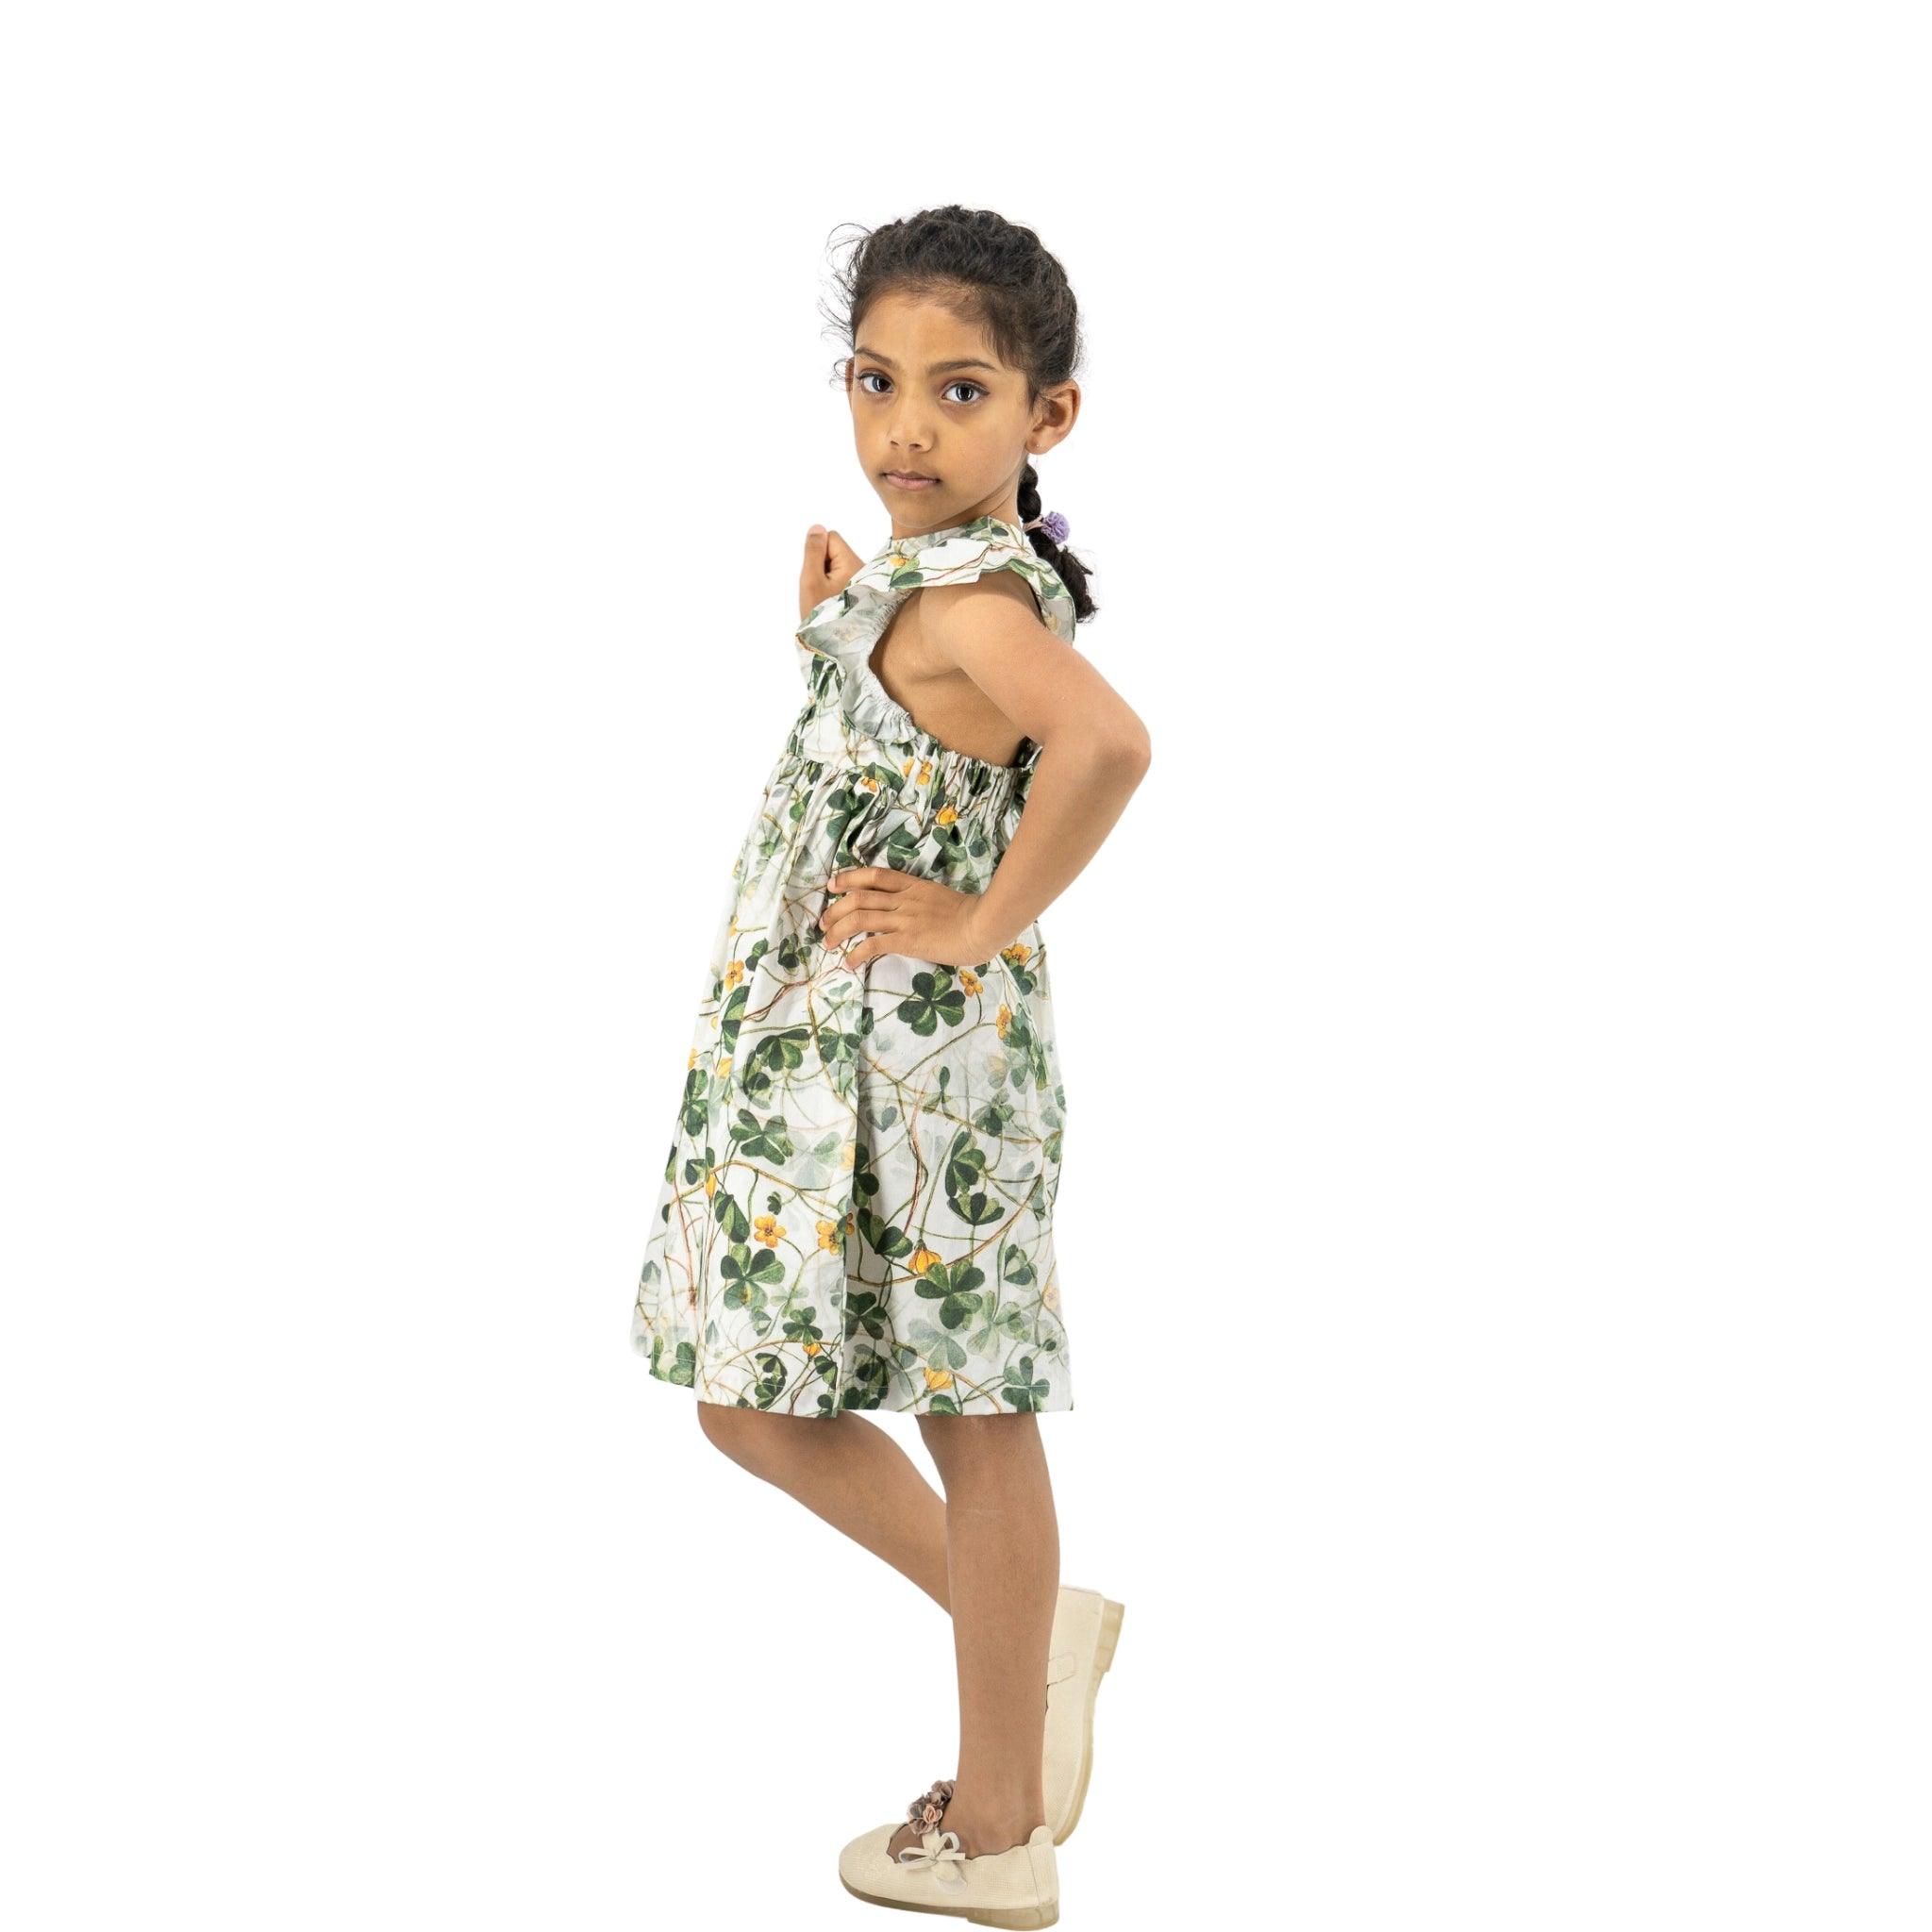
{"x": 865, "y": 378}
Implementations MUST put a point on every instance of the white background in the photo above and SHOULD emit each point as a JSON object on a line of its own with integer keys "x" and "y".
{"x": 1494, "y": 1222}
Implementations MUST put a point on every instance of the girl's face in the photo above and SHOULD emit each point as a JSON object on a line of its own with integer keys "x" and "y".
{"x": 931, "y": 400}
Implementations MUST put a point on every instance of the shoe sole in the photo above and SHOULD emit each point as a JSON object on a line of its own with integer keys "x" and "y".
{"x": 1110, "y": 1615}
{"x": 1017, "y": 1918}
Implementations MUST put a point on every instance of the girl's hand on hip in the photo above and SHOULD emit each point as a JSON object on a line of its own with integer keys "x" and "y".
{"x": 830, "y": 563}
{"x": 905, "y": 914}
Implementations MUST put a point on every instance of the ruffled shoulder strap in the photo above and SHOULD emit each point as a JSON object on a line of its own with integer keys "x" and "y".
{"x": 848, "y": 624}
{"x": 988, "y": 544}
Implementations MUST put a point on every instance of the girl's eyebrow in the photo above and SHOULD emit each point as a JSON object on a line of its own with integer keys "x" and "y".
{"x": 933, "y": 368}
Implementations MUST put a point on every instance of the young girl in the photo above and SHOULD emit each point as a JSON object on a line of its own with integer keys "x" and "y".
{"x": 857, "y": 1208}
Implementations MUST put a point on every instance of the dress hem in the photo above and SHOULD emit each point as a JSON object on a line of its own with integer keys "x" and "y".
{"x": 661, "y": 1374}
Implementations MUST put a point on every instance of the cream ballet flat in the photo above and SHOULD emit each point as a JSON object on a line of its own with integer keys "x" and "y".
{"x": 1019, "y": 1886}
{"x": 1086, "y": 1629}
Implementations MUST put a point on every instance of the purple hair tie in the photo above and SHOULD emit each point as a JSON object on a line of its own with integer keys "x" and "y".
{"x": 1055, "y": 526}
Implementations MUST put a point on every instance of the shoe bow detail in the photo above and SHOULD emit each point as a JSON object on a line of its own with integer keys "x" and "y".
{"x": 940, "y": 1853}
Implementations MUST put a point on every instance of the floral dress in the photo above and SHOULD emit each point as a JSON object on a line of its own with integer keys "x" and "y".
{"x": 857, "y": 1209}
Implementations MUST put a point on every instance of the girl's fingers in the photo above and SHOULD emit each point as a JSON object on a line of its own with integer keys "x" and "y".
{"x": 865, "y": 912}
{"x": 848, "y": 933}
{"x": 812, "y": 585}
{"x": 870, "y": 899}
{"x": 881, "y": 876}
{"x": 829, "y": 565}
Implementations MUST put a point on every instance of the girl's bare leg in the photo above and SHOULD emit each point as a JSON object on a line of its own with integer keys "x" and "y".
{"x": 850, "y": 1472}
{"x": 988, "y": 1552}
{"x": 1003, "y": 1560}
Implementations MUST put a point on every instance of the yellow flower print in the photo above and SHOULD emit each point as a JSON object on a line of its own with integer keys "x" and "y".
{"x": 946, "y": 815}
{"x": 921, "y": 1260}
{"x": 831, "y": 1236}
{"x": 937, "y": 1378}
{"x": 692, "y": 1062}
{"x": 734, "y": 973}
{"x": 1051, "y": 1295}
{"x": 906, "y": 770}
{"x": 811, "y": 1347}
{"x": 1017, "y": 953}
{"x": 721, "y": 1072}
{"x": 969, "y": 979}
{"x": 712, "y": 1181}
{"x": 868, "y": 782}
{"x": 924, "y": 771}
{"x": 1004, "y": 1019}
{"x": 848, "y": 1154}
{"x": 766, "y": 1228}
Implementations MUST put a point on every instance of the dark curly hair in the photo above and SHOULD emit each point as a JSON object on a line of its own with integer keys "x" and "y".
{"x": 1002, "y": 275}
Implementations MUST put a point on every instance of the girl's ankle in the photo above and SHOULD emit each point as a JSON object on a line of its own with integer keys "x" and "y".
{"x": 981, "y": 1832}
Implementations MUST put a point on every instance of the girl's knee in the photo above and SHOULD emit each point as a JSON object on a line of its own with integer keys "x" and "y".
{"x": 729, "y": 1428}
{"x": 754, "y": 1437}
{"x": 964, "y": 1443}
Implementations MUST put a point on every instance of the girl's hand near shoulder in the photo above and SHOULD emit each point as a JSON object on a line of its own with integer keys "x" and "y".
{"x": 830, "y": 563}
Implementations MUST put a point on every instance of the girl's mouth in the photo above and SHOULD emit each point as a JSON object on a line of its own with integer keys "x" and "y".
{"x": 904, "y": 479}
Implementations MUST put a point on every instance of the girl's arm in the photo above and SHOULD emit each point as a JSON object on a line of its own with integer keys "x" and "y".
{"x": 1094, "y": 750}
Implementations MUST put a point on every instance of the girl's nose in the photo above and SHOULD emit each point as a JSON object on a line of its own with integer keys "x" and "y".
{"x": 910, "y": 433}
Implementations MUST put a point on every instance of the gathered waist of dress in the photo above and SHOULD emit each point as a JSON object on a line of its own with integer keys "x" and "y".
{"x": 910, "y": 761}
